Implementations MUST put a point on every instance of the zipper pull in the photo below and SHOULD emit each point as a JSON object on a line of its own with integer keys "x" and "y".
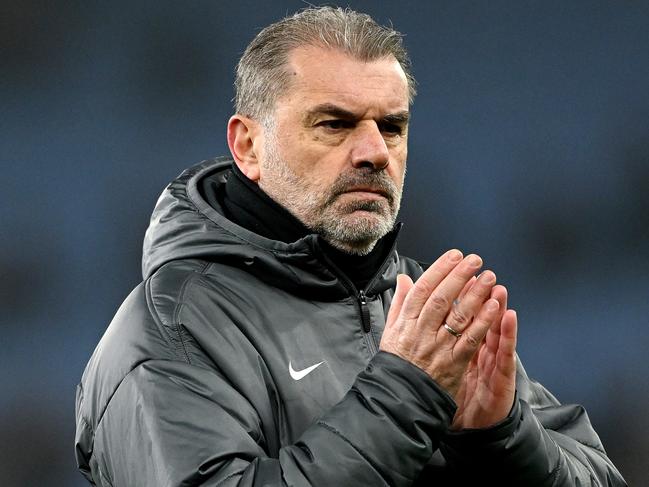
{"x": 365, "y": 311}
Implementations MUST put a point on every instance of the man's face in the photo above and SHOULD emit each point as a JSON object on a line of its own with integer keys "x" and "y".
{"x": 335, "y": 151}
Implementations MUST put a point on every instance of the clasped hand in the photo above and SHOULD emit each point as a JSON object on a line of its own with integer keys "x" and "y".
{"x": 477, "y": 368}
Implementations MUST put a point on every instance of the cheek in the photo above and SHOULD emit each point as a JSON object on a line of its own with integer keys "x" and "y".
{"x": 397, "y": 170}
{"x": 318, "y": 182}
{"x": 318, "y": 168}
{"x": 300, "y": 154}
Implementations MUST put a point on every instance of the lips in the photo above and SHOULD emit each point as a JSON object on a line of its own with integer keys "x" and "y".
{"x": 368, "y": 189}
{"x": 364, "y": 186}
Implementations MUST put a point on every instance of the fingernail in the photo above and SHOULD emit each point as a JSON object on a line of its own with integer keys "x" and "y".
{"x": 474, "y": 261}
{"x": 454, "y": 255}
{"x": 492, "y": 305}
{"x": 488, "y": 277}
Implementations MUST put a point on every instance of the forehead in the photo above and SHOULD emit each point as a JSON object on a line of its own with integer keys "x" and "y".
{"x": 320, "y": 75}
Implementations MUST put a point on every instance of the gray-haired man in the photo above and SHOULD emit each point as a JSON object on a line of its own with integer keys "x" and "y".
{"x": 278, "y": 337}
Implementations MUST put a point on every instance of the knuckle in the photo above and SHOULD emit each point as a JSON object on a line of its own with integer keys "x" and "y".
{"x": 424, "y": 288}
{"x": 459, "y": 317}
{"x": 439, "y": 303}
{"x": 472, "y": 340}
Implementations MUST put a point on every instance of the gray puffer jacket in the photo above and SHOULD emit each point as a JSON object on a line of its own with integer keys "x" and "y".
{"x": 245, "y": 361}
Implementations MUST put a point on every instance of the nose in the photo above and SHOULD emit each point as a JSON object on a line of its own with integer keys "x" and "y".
{"x": 369, "y": 148}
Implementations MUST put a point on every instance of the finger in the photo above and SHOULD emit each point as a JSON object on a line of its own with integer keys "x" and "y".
{"x": 462, "y": 313}
{"x": 498, "y": 292}
{"x": 467, "y": 286}
{"x": 473, "y": 336}
{"x": 428, "y": 282}
{"x": 393, "y": 326}
{"x": 439, "y": 303}
{"x": 506, "y": 359}
{"x": 484, "y": 355}
{"x": 404, "y": 284}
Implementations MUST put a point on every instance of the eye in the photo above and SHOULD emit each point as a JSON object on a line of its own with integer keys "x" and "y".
{"x": 391, "y": 128}
{"x": 336, "y": 124}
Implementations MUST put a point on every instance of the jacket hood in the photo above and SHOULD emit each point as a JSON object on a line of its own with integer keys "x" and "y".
{"x": 184, "y": 226}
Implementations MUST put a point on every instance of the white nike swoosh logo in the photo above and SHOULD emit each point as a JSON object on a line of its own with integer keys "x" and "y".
{"x": 301, "y": 374}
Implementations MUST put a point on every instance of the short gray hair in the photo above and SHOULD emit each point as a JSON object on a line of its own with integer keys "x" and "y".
{"x": 262, "y": 77}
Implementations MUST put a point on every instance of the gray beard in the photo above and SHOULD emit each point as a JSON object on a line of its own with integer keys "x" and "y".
{"x": 360, "y": 237}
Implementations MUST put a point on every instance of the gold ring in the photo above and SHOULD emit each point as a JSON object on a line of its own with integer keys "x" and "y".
{"x": 453, "y": 332}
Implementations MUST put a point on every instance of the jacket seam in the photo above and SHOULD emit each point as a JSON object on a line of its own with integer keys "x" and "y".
{"x": 175, "y": 322}
{"x": 154, "y": 313}
{"x": 183, "y": 289}
{"x": 181, "y": 297}
{"x": 182, "y": 343}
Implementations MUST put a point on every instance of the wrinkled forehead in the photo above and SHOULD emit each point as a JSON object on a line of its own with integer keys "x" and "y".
{"x": 322, "y": 75}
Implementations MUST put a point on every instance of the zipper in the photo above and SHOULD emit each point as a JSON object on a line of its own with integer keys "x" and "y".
{"x": 366, "y": 320}
{"x": 362, "y": 301}
{"x": 361, "y": 297}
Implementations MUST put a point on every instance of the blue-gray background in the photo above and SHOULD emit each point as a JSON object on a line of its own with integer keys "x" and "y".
{"x": 529, "y": 144}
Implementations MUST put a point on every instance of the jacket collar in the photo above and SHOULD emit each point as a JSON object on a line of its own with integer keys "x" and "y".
{"x": 184, "y": 226}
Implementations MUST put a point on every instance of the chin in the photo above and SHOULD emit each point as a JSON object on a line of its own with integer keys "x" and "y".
{"x": 357, "y": 233}
{"x": 353, "y": 248}
{"x": 366, "y": 223}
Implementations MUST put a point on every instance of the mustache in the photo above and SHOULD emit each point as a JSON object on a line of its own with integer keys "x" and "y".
{"x": 378, "y": 181}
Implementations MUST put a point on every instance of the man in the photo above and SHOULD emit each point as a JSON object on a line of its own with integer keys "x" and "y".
{"x": 278, "y": 337}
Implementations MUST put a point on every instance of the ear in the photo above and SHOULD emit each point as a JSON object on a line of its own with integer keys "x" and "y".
{"x": 243, "y": 133}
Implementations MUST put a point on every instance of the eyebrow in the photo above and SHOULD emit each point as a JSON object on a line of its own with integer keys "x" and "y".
{"x": 330, "y": 109}
{"x": 398, "y": 118}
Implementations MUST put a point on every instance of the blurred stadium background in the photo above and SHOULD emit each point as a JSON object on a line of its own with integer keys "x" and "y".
{"x": 529, "y": 144}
